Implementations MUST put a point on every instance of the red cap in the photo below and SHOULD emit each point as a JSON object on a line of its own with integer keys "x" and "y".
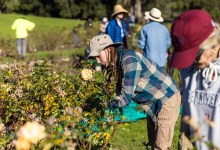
{"x": 188, "y": 31}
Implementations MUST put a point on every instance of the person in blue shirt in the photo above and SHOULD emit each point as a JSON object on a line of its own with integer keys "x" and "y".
{"x": 144, "y": 82}
{"x": 117, "y": 28}
{"x": 155, "y": 38}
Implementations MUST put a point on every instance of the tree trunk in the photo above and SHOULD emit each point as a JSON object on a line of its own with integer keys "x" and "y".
{"x": 135, "y": 9}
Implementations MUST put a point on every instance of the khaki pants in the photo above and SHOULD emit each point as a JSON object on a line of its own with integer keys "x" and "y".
{"x": 161, "y": 135}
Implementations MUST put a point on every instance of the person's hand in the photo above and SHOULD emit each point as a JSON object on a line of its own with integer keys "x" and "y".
{"x": 113, "y": 104}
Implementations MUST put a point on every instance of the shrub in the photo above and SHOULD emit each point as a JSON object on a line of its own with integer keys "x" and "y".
{"x": 71, "y": 107}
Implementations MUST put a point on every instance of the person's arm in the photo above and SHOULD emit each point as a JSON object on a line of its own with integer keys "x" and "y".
{"x": 142, "y": 40}
{"x": 168, "y": 39}
{"x": 31, "y": 26}
{"x": 132, "y": 70}
{"x": 110, "y": 31}
{"x": 14, "y": 25}
{"x": 101, "y": 28}
{"x": 125, "y": 28}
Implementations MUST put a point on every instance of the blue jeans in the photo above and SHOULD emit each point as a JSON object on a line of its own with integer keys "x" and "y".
{"x": 21, "y": 46}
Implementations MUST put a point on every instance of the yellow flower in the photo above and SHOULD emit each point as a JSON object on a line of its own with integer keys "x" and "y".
{"x": 47, "y": 146}
{"x": 32, "y": 132}
{"x": 86, "y": 74}
{"x": 2, "y": 127}
{"x": 98, "y": 135}
{"x": 92, "y": 122}
{"x": 9, "y": 72}
{"x": 58, "y": 141}
{"x": 107, "y": 136}
{"x": 22, "y": 144}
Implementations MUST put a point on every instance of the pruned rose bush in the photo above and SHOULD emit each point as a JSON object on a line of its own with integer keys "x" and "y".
{"x": 44, "y": 109}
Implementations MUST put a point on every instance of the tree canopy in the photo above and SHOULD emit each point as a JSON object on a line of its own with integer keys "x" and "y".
{"x": 83, "y": 9}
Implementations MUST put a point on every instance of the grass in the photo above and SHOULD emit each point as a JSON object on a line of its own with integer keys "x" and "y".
{"x": 130, "y": 136}
{"x": 42, "y": 23}
{"x": 59, "y": 54}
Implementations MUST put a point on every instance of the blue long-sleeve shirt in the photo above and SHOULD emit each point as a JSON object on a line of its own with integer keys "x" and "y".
{"x": 154, "y": 40}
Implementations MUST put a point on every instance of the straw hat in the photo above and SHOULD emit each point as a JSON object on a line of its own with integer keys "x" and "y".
{"x": 155, "y": 15}
{"x": 119, "y": 9}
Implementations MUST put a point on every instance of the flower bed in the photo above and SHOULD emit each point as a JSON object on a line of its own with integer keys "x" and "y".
{"x": 47, "y": 110}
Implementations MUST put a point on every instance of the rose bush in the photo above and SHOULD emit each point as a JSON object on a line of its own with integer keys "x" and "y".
{"x": 71, "y": 107}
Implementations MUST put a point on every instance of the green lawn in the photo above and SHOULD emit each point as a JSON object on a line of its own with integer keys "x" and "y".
{"x": 58, "y": 54}
{"x": 42, "y": 23}
{"x": 131, "y": 135}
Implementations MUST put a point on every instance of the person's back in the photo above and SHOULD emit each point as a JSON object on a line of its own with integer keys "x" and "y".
{"x": 156, "y": 43}
{"x": 155, "y": 38}
{"x": 103, "y": 25}
{"x": 22, "y": 26}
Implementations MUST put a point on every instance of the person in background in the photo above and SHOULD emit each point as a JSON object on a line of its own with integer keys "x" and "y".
{"x": 21, "y": 27}
{"x": 88, "y": 23}
{"x": 117, "y": 28}
{"x": 76, "y": 41}
{"x": 155, "y": 38}
{"x": 196, "y": 41}
{"x": 88, "y": 29}
{"x": 147, "y": 16}
{"x": 143, "y": 81}
{"x": 103, "y": 25}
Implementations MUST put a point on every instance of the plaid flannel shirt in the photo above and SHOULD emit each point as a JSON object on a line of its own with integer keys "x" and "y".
{"x": 144, "y": 82}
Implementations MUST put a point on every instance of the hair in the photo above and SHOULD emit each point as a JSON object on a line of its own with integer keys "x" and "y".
{"x": 213, "y": 40}
{"x": 114, "y": 70}
{"x": 113, "y": 55}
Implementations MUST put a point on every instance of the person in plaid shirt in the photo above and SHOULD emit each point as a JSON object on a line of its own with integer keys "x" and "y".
{"x": 143, "y": 81}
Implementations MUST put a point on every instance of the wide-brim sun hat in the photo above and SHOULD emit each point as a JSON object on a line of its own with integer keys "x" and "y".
{"x": 188, "y": 31}
{"x": 155, "y": 15}
{"x": 119, "y": 9}
{"x": 99, "y": 43}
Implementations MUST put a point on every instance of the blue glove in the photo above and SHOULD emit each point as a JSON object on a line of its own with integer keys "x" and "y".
{"x": 113, "y": 104}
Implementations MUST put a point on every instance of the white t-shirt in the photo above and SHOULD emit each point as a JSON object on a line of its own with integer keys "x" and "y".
{"x": 120, "y": 25}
